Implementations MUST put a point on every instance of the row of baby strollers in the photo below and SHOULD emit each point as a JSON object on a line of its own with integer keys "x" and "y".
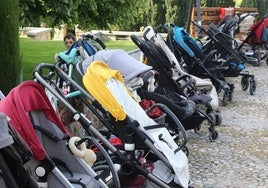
{"x": 144, "y": 108}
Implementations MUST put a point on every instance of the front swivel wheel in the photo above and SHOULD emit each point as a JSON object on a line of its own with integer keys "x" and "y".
{"x": 252, "y": 86}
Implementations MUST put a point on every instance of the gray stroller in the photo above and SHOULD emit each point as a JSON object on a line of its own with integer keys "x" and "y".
{"x": 54, "y": 162}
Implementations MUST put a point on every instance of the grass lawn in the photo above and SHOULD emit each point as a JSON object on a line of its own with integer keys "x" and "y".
{"x": 34, "y": 52}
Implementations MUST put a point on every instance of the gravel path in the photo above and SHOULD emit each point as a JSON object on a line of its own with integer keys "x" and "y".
{"x": 239, "y": 157}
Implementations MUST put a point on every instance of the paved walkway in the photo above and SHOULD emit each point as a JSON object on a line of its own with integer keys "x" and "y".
{"x": 239, "y": 158}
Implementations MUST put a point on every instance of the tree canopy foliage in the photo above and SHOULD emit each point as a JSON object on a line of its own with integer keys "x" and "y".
{"x": 116, "y": 14}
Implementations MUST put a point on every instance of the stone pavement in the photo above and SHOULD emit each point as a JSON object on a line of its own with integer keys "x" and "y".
{"x": 239, "y": 157}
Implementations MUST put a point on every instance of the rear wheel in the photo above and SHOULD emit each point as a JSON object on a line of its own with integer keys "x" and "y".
{"x": 252, "y": 87}
{"x": 244, "y": 82}
{"x": 218, "y": 118}
{"x": 225, "y": 98}
{"x": 213, "y": 136}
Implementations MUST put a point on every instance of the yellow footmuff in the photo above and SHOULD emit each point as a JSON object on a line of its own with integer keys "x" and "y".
{"x": 107, "y": 87}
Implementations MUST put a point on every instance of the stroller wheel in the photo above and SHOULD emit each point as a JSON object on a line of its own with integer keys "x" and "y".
{"x": 225, "y": 98}
{"x": 230, "y": 95}
{"x": 197, "y": 129}
{"x": 218, "y": 118}
{"x": 256, "y": 64}
{"x": 244, "y": 82}
{"x": 212, "y": 118}
{"x": 252, "y": 87}
{"x": 213, "y": 136}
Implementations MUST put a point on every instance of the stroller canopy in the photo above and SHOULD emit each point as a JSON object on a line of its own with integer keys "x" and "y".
{"x": 96, "y": 84}
{"x": 29, "y": 96}
{"x": 186, "y": 42}
{"x": 118, "y": 60}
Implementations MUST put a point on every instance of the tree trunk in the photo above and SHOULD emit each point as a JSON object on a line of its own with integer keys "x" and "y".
{"x": 10, "y": 62}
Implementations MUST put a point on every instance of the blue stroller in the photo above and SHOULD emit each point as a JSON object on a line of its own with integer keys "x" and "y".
{"x": 215, "y": 60}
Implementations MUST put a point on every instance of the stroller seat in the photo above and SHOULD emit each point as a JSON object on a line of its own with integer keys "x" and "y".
{"x": 53, "y": 164}
{"x": 13, "y": 155}
{"x": 107, "y": 87}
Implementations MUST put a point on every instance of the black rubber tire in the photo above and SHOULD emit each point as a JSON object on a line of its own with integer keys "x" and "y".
{"x": 213, "y": 136}
{"x": 244, "y": 83}
{"x": 230, "y": 95}
{"x": 218, "y": 118}
{"x": 197, "y": 128}
{"x": 224, "y": 99}
{"x": 252, "y": 87}
{"x": 256, "y": 64}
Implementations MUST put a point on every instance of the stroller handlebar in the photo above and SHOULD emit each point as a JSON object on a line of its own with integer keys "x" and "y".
{"x": 40, "y": 66}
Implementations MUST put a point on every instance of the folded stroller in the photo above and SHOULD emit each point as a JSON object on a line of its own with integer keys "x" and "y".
{"x": 13, "y": 154}
{"x": 125, "y": 119}
{"x": 216, "y": 60}
{"x": 53, "y": 164}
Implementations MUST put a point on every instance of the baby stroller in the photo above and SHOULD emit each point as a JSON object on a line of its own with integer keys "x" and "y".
{"x": 201, "y": 86}
{"x": 53, "y": 164}
{"x": 215, "y": 60}
{"x": 167, "y": 84}
{"x": 124, "y": 118}
{"x": 13, "y": 154}
{"x": 232, "y": 25}
{"x": 256, "y": 41}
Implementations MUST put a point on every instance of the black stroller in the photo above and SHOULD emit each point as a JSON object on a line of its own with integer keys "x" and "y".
{"x": 121, "y": 117}
{"x": 169, "y": 91}
{"x": 215, "y": 59}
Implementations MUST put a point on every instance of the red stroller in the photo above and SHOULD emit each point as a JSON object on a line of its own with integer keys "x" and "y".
{"x": 53, "y": 164}
{"x": 257, "y": 39}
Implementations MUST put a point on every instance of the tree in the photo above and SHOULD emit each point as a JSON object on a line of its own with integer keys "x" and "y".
{"x": 10, "y": 63}
{"x": 261, "y": 5}
{"x": 87, "y": 14}
{"x": 54, "y": 13}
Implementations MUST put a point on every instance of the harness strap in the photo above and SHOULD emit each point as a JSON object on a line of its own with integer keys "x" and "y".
{"x": 49, "y": 133}
{"x": 154, "y": 126}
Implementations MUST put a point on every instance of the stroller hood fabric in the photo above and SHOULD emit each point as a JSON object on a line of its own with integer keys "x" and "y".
{"x": 117, "y": 60}
{"x": 26, "y": 97}
{"x": 258, "y": 32}
{"x": 109, "y": 102}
